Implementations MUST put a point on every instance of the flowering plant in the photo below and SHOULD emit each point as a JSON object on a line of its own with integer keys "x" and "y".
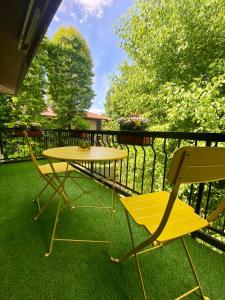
{"x": 133, "y": 123}
{"x": 34, "y": 126}
{"x": 24, "y": 125}
{"x": 20, "y": 125}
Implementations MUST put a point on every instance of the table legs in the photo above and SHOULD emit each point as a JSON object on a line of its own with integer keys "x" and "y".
{"x": 110, "y": 210}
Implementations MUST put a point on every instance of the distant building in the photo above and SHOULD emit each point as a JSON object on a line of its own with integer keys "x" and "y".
{"x": 94, "y": 120}
{"x": 49, "y": 113}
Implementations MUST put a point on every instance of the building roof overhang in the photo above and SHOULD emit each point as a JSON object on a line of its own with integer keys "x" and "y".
{"x": 23, "y": 24}
{"x": 94, "y": 116}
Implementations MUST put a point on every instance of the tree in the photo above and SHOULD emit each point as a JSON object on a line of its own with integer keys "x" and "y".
{"x": 176, "y": 65}
{"x": 70, "y": 76}
{"x": 31, "y": 99}
{"x": 6, "y": 108}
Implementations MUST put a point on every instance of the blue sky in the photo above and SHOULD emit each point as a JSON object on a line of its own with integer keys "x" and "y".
{"x": 95, "y": 19}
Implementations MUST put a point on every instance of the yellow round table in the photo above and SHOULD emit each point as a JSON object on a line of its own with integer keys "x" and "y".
{"x": 71, "y": 155}
{"x": 94, "y": 154}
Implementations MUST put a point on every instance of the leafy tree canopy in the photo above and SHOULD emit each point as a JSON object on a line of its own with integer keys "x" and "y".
{"x": 70, "y": 75}
{"x": 6, "y": 107}
{"x": 175, "y": 75}
{"x": 30, "y": 101}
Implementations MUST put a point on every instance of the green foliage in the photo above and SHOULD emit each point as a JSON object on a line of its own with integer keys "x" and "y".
{"x": 82, "y": 124}
{"x": 176, "y": 72}
{"x": 70, "y": 75}
{"x": 30, "y": 102}
{"x": 6, "y": 107}
{"x": 176, "y": 40}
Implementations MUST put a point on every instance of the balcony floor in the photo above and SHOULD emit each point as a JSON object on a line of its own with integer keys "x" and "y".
{"x": 84, "y": 271}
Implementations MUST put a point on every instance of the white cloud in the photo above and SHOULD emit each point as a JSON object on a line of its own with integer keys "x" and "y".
{"x": 88, "y": 7}
{"x": 97, "y": 110}
{"x": 95, "y": 7}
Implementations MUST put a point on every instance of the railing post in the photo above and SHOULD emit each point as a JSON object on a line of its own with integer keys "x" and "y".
{"x": 46, "y": 137}
{"x": 60, "y": 138}
{"x": 92, "y": 144}
{"x": 199, "y": 198}
{"x": 201, "y": 190}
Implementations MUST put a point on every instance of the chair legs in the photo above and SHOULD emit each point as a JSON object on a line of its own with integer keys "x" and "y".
{"x": 136, "y": 250}
{"x": 198, "y": 287}
{"x": 54, "y": 227}
{"x": 136, "y": 258}
{"x": 60, "y": 191}
{"x": 38, "y": 196}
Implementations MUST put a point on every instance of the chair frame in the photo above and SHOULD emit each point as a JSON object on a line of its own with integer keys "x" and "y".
{"x": 179, "y": 173}
{"x": 52, "y": 179}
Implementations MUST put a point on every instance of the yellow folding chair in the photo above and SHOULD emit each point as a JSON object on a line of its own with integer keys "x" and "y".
{"x": 50, "y": 174}
{"x": 164, "y": 216}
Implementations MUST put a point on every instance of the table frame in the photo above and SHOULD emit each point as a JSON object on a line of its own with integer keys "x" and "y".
{"x": 61, "y": 190}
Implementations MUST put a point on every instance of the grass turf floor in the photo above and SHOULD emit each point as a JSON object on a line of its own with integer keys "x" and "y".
{"x": 84, "y": 271}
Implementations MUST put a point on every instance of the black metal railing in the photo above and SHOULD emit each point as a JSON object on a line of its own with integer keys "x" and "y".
{"x": 143, "y": 171}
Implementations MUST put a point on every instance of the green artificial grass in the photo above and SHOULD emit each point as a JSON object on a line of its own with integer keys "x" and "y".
{"x": 84, "y": 271}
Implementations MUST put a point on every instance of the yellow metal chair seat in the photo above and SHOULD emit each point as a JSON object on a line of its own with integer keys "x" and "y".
{"x": 148, "y": 210}
{"x": 58, "y": 167}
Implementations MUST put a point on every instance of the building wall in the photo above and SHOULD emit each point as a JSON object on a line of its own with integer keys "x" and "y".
{"x": 95, "y": 124}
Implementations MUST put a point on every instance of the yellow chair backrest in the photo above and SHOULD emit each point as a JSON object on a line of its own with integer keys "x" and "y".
{"x": 33, "y": 157}
{"x": 197, "y": 164}
{"x": 194, "y": 165}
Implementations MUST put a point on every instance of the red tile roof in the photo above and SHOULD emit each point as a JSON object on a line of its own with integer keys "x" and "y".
{"x": 91, "y": 115}
{"x": 49, "y": 112}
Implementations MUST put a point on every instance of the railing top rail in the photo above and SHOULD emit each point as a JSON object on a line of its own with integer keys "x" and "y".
{"x": 200, "y": 136}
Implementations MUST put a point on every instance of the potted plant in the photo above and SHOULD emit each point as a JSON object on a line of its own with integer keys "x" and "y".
{"x": 19, "y": 126}
{"x": 32, "y": 129}
{"x": 133, "y": 124}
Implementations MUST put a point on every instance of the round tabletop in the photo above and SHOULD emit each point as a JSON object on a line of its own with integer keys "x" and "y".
{"x": 75, "y": 153}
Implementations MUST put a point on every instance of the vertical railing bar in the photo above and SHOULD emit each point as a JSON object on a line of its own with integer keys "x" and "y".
{"x": 153, "y": 165}
{"x": 135, "y": 166}
{"x": 113, "y": 142}
{"x": 143, "y": 170}
{"x": 208, "y": 198}
{"x": 107, "y": 140}
{"x": 121, "y": 169}
{"x": 201, "y": 189}
{"x": 128, "y": 156}
{"x": 18, "y": 148}
{"x": 209, "y": 191}
{"x": 121, "y": 165}
{"x": 24, "y": 145}
{"x": 165, "y": 164}
{"x": 192, "y": 186}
